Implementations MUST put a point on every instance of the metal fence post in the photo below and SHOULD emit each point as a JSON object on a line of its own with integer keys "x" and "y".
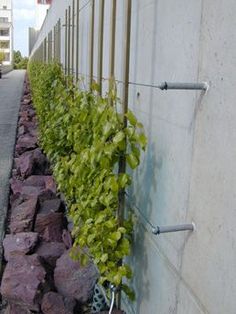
{"x": 66, "y": 39}
{"x": 91, "y": 43}
{"x": 100, "y": 44}
{"x": 73, "y": 37}
{"x": 77, "y": 43}
{"x": 112, "y": 42}
{"x": 59, "y": 41}
{"x": 69, "y": 40}
{"x": 125, "y": 99}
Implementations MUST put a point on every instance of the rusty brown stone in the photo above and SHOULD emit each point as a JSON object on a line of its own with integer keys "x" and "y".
{"x": 22, "y": 242}
{"x": 73, "y": 280}
{"x": 22, "y": 279}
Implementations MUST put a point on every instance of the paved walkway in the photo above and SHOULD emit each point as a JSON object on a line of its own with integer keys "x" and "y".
{"x": 11, "y": 88}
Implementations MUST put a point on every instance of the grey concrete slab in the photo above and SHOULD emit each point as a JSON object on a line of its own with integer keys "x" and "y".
{"x": 11, "y": 88}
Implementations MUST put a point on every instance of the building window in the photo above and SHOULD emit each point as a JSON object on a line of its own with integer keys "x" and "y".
{"x": 4, "y": 32}
{"x": 3, "y": 19}
{"x": 4, "y": 44}
{"x": 4, "y": 7}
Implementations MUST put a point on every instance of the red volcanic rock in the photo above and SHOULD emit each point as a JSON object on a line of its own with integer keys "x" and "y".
{"x": 21, "y": 130}
{"x": 22, "y": 242}
{"x": 50, "y": 251}
{"x": 16, "y": 185}
{"x": 24, "y": 107}
{"x": 17, "y": 199}
{"x": 66, "y": 238}
{"x": 41, "y": 163}
{"x": 23, "y": 216}
{"x": 29, "y": 125}
{"x": 24, "y": 115}
{"x": 32, "y": 162}
{"x": 33, "y": 185}
{"x": 25, "y": 164}
{"x": 26, "y": 100}
{"x": 46, "y": 182}
{"x": 46, "y": 195}
{"x": 25, "y": 143}
{"x": 49, "y": 226}
{"x": 54, "y": 303}
{"x": 51, "y": 205}
{"x": 73, "y": 280}
{"x": 22, "y": 279}
{"x": 16, "y": 309}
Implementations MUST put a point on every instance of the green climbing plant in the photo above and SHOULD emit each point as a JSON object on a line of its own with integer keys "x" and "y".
{"x": 84, "y": 136}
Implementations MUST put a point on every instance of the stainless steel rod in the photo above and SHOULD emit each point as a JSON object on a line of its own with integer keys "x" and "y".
{"x": 77, "y": 42}
{"x": 91, "y": 53}
{"x": 69, "y": 41}
{"x": 189, "y": 86}
{"x": 175, "y": 228}
{"x": 73, "y": 36}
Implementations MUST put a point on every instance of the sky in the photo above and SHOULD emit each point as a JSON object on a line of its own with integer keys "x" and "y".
{"x": 23, "y": 18}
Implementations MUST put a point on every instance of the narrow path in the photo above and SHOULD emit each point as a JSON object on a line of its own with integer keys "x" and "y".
{"x": 11, "y": 88}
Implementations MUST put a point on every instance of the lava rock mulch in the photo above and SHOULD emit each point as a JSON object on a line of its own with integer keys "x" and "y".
{"x": 39, "y": 275}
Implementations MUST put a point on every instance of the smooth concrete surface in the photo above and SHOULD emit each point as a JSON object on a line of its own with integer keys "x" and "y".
{"x": 187, "y": 173}
{"x": 11, "y": 88}
{"x": 212, "y": 251}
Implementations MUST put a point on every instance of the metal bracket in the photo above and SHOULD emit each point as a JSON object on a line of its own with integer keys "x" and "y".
{"x": 166, "y": 229}
{"x": 189, "y": 86}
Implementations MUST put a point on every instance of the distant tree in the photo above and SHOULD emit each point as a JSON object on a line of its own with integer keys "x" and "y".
{"x": 19, "y": 61}
{"x": 2, "y": 57}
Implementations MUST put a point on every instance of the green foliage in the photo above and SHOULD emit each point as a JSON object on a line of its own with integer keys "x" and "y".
{"x": 84, "y": 137}
{"x": 19, "y": 61}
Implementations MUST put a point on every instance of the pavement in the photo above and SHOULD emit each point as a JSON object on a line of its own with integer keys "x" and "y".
{"x": 11, "y": 89}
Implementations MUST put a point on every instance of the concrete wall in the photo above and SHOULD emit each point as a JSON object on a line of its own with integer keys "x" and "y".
{"x": 187, "y": 173}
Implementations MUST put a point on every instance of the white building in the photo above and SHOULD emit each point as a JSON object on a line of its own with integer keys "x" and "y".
{"x": 6, "y": 30}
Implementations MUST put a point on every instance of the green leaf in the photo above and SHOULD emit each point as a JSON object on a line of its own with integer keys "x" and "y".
{"x": 129, "y": 292}
{"x": 123, "y": 180}
{"x": 90, "y": 238}
{"x": 107, "y": 128}
{"x": 122, "y": 230}
{"x": 142, "y": 139}
{"x": 84, "y": 260}
{"x": 118, "y": 137}
{"x": 116, "y": 235}
{"x": 104, "y": 257}
{"x": 117, "y": 279}
{"x": 132, "y": 160}
{"x": 131, "y": 118}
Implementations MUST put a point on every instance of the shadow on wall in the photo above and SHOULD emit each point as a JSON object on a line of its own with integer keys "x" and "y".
{"x": 141, "y": 280}
{"x": 145, "y": 181}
